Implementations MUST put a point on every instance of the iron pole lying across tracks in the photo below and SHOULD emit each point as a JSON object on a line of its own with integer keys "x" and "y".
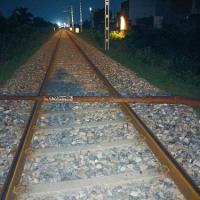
{"x": 177, "y": 173}
{"x": 109, "y": 99}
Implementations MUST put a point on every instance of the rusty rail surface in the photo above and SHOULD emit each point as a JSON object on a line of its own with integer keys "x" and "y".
{"x": 109, "y": 99}
{"x": 9, "y": 188}
{"x": 176, "y": 172}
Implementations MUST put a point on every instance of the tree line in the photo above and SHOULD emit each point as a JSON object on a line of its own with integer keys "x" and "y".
{"x": 21, "y": 17}
{"x": 21, "y": 34}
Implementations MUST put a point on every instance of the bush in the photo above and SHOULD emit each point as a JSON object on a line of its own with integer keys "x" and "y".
{"x": 117, "y": 35}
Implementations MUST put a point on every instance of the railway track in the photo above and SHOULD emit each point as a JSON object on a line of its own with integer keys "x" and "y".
{"x": 89, "y": 150}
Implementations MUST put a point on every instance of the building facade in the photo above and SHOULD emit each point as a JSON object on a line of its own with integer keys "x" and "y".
{"x": 147, "y": 11}
{"x": 196, "y": 7}
{"x": 152, "y": 13}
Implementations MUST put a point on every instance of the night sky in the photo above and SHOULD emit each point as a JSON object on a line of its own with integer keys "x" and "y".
{"x": 53, "y": 10}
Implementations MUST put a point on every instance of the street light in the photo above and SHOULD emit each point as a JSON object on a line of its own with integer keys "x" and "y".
{"x": 59, "y": 24}
{"x": 123, "y": 23}
{"x": 91, "y": 17}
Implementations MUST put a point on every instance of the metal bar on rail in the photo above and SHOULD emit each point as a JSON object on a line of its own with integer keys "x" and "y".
{"x": 109, "y": 99}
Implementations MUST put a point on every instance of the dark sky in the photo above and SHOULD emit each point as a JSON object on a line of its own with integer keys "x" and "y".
{"x": 53, "y": 10}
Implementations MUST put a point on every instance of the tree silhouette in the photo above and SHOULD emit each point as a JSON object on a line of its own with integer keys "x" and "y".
{"x": 21, "y": 16}
{"x": 98, "y": 18}
{"x": 40, "y": 22}
{"x": 3, "y": 23}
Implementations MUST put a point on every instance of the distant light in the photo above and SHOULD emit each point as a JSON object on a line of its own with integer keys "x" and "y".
{"x": 77, "y": 30}
{"x": 71, "y": 29}
{"x": 59, "y": 24}
{"x": 64, "y": 25}
{"x": 90, "y": 8}
{"x": 123, "y": 23}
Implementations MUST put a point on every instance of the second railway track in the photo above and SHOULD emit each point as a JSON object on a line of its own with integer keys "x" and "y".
{"x": 88, "y": 150}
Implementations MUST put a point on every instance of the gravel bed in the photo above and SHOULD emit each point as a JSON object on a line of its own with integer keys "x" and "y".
{"x": 74, "y": 89}
{"x": 79, "y": 79}
{"x": 51, "y": 107}
{"x": 83, "y": 136}
{"x": 88, "y": 164}
{"x": 71, "y": 119}
{"x": 69, "y": 54}
{"x": 13, "y": 118}
{"x": 155, "y": 189}
{"x": 15, "y": 114}
{"x": 177, "y": 126}
{"x": 84, "y": 164}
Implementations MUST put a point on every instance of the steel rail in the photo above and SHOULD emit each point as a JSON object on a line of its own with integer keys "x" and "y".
{"x": 109, "y": 99}
{"x": 15, "y": 171}
{"x": 183, "y": 181}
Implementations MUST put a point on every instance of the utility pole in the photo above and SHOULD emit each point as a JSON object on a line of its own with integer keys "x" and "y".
{"x": 68, "y": 21}
{"x": 72, "y": 17}
{"x": 67, "y": 11}
{"x": 81, "y": 16}
{"x": 107, "y": 24}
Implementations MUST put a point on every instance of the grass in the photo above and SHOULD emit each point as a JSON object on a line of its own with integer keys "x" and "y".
{"x": 149, "y": 65}
{"x": 16, "y": 48}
